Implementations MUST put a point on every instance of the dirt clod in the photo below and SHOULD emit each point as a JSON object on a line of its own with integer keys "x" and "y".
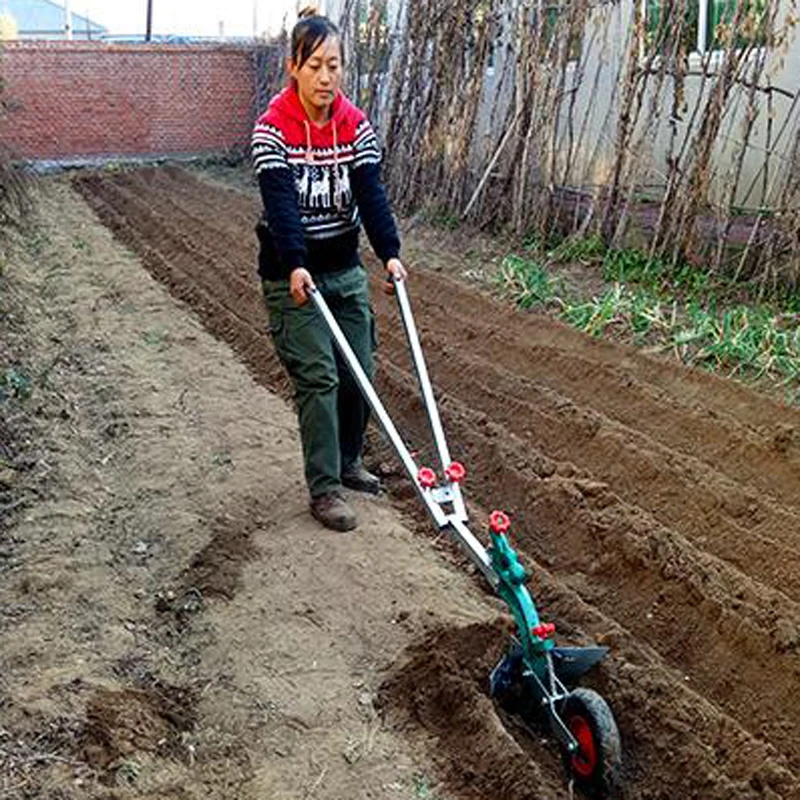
{"x": 120, "y": 724}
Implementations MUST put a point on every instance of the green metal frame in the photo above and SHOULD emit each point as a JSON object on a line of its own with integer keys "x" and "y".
{"x": 511, "y": 579}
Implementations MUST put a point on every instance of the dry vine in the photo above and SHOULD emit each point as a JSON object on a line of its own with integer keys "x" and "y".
{"x": 546, "y": 117}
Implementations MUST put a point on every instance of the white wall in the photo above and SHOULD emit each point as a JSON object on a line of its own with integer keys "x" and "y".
{"x": 606, "y": 46}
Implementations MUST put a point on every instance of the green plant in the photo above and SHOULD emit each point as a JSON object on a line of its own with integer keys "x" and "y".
{"x": 128, "y": 772}
{"x": 744, "y": 341}
{"x": 682, "y": 309}
{"x": 81, "y": 245}
{"x": 526, "y": 281}
{"x": 598, "y": 314}
{"x": 631, "y": 265}
{"x": 15, "y": 383}
{"x": 421, "y": 788}
{"x": 155, "y": 338}
{"x": 584, "y": 249}
{"x": 37, "y": 241}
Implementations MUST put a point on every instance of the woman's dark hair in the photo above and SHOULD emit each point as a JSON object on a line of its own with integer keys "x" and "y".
{"x": 309, "y": 33}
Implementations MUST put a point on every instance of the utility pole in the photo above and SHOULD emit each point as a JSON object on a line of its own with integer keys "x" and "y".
{"x": 68, "y": 20}
{"x": 255, "y": 19}
{"x": 149, "y": 33}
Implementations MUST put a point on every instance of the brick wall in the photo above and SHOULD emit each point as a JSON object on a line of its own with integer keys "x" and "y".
{"x": 91, "y": 99}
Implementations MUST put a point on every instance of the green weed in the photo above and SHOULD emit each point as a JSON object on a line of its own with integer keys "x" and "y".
{"x": 128, "y": 773}
{"x": 81, "y": 245}
{"x": 37, "y": 241}
{"x": 630, "y": 265}
{"x": 421, "y": 788}
{"x": 15, "y": 383}
{"x": 585, "y": 249}
{"x": 680, "y": 308}
{"x": 155, "y": 338}
{"x": 526, "y": 281}
{"x": 744, "y": 341}
{"x": 222, "y": 459}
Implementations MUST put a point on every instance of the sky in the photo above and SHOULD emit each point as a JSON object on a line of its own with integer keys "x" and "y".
{"x": 188, "y": 17}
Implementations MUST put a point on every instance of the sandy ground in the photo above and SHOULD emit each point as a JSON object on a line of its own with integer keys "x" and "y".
{"x": 174, "y": 623}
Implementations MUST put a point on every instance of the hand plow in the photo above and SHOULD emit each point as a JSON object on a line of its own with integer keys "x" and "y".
{"x": 534, "y": 679}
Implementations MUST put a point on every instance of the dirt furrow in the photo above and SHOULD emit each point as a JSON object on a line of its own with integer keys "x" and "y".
{"x": 692, "y": 609}
{"x": 651, "y": 499}
{"x": 444, "y": 297}
{"x": 685, "y": 421}
{"x": 728, "y": 518}
{"x": 224, "y": 219}
{"x": 188, "y": 252}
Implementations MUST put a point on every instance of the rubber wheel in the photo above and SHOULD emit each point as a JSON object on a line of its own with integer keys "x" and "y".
{"x": 595, "y": 766}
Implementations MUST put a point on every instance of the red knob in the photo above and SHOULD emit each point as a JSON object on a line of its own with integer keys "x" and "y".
{"x": 544, "y": 630}
{"x": 456, "y": 472}
{"x": 426, "y": 477}
{"x": 499, "y": 522}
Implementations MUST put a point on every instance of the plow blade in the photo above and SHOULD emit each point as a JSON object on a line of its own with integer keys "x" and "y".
{"x": 570, "y": 663}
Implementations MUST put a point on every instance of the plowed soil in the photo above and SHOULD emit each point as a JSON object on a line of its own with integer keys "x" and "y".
{"x": 657, "y": 508}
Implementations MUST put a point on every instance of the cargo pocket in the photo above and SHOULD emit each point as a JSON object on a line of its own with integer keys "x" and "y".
{"x": 274, "y": 298}
{"x": 277, "y": 327}
{"x": 373, "y": 330}
{"x": 275, "y": 323}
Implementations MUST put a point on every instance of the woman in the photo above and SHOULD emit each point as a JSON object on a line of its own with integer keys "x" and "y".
{"x": 318, "y": 166}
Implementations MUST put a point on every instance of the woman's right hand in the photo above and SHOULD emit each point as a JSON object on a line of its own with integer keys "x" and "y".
{"x": 300, "y": 281}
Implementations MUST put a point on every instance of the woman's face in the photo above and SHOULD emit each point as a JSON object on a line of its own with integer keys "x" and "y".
{"x": 319, "y": 78}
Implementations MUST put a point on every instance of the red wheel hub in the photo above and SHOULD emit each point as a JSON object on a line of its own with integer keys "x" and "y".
{"x": 584, "y": 761}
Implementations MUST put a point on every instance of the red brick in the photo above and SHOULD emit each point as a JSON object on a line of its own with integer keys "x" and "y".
{"x": 94, "y": 99}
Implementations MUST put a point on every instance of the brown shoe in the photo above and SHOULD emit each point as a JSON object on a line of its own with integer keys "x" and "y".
{"x": 358, "y": 479}
{"x": 332, "y": 511}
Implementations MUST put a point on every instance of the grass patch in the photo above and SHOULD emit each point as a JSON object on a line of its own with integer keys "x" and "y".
{"x": 707, "y": 322}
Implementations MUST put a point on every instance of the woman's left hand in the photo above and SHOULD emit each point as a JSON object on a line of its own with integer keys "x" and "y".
{"x": 395, "y": 271}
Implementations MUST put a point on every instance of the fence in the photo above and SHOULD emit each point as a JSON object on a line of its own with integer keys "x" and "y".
{"x": 677, "y": 121}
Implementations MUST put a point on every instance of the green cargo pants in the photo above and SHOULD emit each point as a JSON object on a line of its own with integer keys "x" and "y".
{"x": 333, "y": 415}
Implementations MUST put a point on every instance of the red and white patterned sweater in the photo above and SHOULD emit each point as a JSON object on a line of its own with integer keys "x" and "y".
{"x": 318, "y": 184}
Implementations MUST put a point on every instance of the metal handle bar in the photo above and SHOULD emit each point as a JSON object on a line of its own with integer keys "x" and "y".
{"x": 454, "y": 522}
{"x": 431, "y": 409}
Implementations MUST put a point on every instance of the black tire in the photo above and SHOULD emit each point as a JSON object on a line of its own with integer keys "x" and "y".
{"x": 595, "y": 767}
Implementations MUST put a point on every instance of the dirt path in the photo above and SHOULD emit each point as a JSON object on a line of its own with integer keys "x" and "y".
{"x": 657, "y": 507}
{"x": 173, "y": 624}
